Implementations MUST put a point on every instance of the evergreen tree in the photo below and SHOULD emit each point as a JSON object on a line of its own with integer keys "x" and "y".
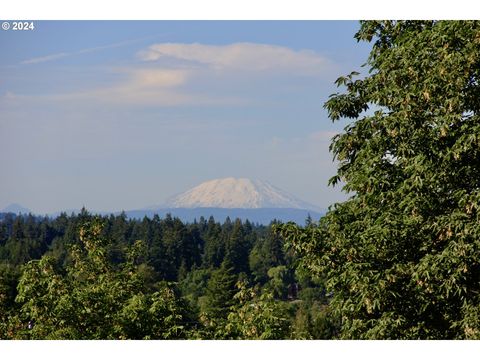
{"x": 156, "y": 251}
{"x": 219, "y": 293}
{"x": 174, "y": 237}
{"x": 214, "y": 245}
{"x": 192, "y": 247}
{"x": 237, "y": 248}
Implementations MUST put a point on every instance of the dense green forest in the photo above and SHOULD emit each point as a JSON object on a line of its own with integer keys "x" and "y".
{"x": 90, "y": 277}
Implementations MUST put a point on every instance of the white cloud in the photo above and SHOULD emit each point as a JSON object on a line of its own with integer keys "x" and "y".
{"x": 158, "y": 87}
{"x": 46, "y": 58}
{"x": 241, "y": 56}
{"x": 152, "y": 77}
{"x": 52, "y": 57}
{"x": 174, "y": 74}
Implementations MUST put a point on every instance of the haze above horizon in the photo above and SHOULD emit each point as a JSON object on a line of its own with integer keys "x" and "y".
{"x": 120, "y": 115}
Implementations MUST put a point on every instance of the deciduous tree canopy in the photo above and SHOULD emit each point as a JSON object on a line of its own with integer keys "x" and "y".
{"x": 402, "y": 254}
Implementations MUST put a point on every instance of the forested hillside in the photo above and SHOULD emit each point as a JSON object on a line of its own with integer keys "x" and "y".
{"x": 90, "y": 277}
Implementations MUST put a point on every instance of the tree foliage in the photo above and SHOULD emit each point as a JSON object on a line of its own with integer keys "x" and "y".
{"x": 257, "y": 317}
{"x": 401, "y": 256}
{"x": 91, "y": 299}
{"x": 113, "y": 277}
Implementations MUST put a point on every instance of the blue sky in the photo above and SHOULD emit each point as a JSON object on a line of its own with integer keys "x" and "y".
{"x": 122, "y": 114}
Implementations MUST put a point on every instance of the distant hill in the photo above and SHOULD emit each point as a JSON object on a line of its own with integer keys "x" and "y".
{"x": 16, "y": 209}
{"x": 4, "y": 215}
{"x": 261, "y": 215}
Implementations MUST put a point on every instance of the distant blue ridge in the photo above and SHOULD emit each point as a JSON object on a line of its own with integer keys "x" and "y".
{"x": 261, "y": 215}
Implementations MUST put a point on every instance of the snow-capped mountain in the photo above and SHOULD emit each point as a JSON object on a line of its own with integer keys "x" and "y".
{"x": 229, "y": 193}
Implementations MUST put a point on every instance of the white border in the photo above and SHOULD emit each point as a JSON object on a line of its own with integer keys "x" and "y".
{"x": 241, "y": 350}
{"x": 237, "y": 9}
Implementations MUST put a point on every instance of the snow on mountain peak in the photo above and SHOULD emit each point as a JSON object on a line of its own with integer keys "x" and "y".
{"x": 236, "y": 193}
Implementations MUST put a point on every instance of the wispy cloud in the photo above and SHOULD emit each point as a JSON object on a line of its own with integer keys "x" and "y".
{"x": 146, "y": 87}
{"x": 152, "y": 77}
{"x": 158, "y": 87}
{"x": 56, "y": 56}
{"x": 176, "y": 74}
{"x": 240, "y": 56}
{"x": 46, "y": 58}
